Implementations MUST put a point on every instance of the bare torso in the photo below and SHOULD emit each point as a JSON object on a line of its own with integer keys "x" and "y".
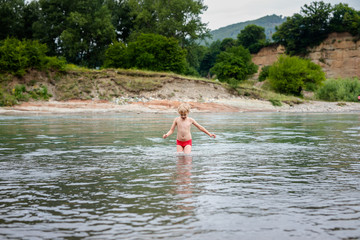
{"x": 183, "y": 128}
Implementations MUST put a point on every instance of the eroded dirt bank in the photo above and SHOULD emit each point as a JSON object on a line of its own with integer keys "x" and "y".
{"x": 134, "y": 91}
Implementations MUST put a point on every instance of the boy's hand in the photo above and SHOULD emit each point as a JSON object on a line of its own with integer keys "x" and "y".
{"x": 165, "y": 136}
{"x": 212, "y": 135}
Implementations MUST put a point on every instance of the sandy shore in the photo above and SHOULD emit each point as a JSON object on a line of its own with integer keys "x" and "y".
{"x": 159, "y": 106}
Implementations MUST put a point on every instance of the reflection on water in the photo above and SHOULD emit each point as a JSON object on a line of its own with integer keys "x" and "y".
{"x": 183, "y": 181}
{"x": 265, "y": 176}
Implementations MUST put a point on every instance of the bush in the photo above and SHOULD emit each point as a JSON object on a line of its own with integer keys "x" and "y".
{"x": 149, "y": 51}
{"x": 55, "y": 63}
{"x": 16, "y": 56}
{"x": 157, "y": 53}
{"x": 42, "y": 92}
{"x": 19, "y": 93}
{"x": 339, "y": 90}
{"x": 234, "y": 64}
{"x": 264, "y": 73}
{"x": 116, "y": 56}
{"x": 290, "y": 75}
{"x": 6, "y": 99}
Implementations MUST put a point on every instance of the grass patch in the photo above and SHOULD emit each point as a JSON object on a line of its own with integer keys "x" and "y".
{"x": 250, "y": 89}
{"x": 275, "y": 102}
{"x": 139, "y": 84}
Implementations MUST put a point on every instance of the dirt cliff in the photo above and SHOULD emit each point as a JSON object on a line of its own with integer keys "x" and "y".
{"x": 338, "y": 55}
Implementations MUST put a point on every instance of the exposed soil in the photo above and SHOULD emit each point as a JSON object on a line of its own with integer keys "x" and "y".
{"x": 133, "y": 91}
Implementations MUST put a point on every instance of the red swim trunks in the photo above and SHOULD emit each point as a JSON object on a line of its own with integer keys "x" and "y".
{"x": 184, "y": 143}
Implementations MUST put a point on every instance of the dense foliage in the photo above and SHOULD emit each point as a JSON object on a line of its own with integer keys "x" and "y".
{"x": 252, "y": 37}
{"x": 234, "y": 64}
{"x": 179, "y": 19}
{"x": 264, "y": 73}
{"x": 17, "y": 56}
{"x": 149, "y": 51}
{"x": 339, "y": 90}
{"x": 82, "y": 30}
{"x": 217, "y": 58}
{"x": 313, "y": 24}
{"x": 291, "y": 75}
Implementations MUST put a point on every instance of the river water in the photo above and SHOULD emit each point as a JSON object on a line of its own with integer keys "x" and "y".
{"x": 112, "y": 176}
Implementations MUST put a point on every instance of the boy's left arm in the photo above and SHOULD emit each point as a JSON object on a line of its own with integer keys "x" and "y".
{"x": 201, "y": 128}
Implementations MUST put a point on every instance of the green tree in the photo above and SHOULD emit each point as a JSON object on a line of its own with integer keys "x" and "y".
{"x": 120, "y": 18}
{"x": 31, "y": 14}
{"x": 11, "y": 20}
{"x": 209, "y": 58}
{"x": 17, "y": 56}
{"x": 52, "y": 22}
{"x": 116, "y": 56}
{"x": 234, "y": 64}
{"x": 307, "y": 29}
{"x": 149, "y": 51}
{"x": 80, "y": 30}
{"x": 252, "y": 37}
{"x": 179, "y": 19}
{"x": 290, "y": 75}
{"x": 227, "y": 43}
{"x": 157, "y": 53}
{"x": 86, "y": 36}
{"x": 194, "y": 57}
{"x": 345, "y": 19}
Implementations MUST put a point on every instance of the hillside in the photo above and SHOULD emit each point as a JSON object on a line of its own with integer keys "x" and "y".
{"x": 231, "y": 31}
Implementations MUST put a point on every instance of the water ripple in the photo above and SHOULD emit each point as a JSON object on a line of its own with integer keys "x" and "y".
{"x": 266, "y": 176}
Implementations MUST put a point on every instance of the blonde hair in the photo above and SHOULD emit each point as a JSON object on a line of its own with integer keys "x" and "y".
{"x": 184, "y": 108}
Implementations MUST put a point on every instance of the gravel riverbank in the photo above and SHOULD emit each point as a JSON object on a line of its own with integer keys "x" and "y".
{"x": 235, "y": 104}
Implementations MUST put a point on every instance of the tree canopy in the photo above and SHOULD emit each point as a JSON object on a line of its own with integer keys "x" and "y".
{"x": 252, "y": 37}
{"x": 313, "y": 24}
{"x": 234, "y": 65}
{"x": 149, "y": 51}
{"x": 82, "y": 30}
{"x": 179, "y": 19}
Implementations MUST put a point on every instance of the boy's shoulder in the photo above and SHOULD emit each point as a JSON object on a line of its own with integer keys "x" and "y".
{"x": 191, "y": 119}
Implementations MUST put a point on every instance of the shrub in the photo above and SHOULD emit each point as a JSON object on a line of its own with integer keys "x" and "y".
{"x": 264, "y": 73}
{"x": 16, "y": 56}
{"x": 55, "y": 63}
{"x": 116, "y": 56}
{"x": 234, "y": 64}
{"x": 19, "y": 93}
{"x": 6, "y": 99}
{"x": 339, "y": 90}
{"x": 42, "y": 92}
{"x": 157, "y": 53}
{"x": 290, "y": 75}
{"x": 149, "y": 51}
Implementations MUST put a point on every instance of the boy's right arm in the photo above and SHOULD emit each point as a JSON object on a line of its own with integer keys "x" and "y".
{"x": 172, "y": 129}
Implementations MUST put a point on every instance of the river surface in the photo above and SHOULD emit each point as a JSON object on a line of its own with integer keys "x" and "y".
{"x": 112, "y": 176}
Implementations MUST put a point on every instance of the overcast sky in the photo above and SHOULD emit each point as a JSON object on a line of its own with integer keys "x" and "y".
{"x": 222, "y": 13}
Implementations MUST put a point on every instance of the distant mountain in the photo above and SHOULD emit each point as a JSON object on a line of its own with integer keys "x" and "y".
{"x": 231, "y": 31}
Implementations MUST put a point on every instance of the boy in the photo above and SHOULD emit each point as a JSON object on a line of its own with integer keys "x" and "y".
{"x": 183, "y": 124}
